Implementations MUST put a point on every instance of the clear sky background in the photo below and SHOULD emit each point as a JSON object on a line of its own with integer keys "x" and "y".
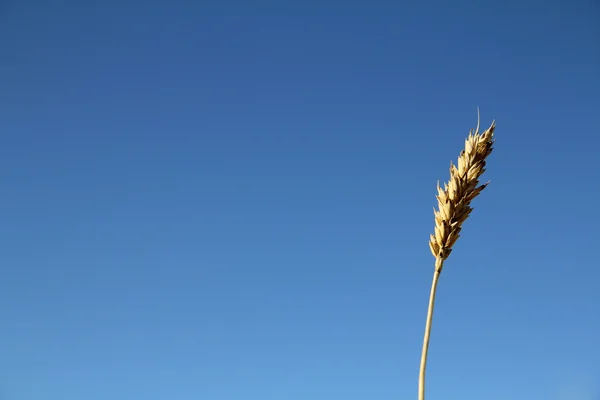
{"x": 232, "y": 200}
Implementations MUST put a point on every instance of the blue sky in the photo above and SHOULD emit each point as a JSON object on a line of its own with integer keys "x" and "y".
{"x": 232, "y": 200}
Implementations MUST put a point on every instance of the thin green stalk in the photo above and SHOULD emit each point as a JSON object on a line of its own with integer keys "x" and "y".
{"x": 439, "y": 263}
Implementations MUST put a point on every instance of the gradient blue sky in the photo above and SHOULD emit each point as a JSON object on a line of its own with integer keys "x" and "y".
{"x": 232, "y": 200}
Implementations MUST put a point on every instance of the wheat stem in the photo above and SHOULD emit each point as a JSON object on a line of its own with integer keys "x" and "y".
{"x": 454, "y": 207}
{"x": 439, "y": 263}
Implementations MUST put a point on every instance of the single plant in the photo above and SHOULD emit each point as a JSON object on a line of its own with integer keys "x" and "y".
{"x": 454, "y": 207}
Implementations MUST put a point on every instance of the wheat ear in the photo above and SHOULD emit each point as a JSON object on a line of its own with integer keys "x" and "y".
{"x": 454, "y": 207}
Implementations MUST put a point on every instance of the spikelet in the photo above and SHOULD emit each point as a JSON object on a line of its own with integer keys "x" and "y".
{"x": 455, "y": 197}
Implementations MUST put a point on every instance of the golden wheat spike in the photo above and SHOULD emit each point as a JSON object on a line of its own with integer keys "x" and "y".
{"x": 455, "y": 197}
